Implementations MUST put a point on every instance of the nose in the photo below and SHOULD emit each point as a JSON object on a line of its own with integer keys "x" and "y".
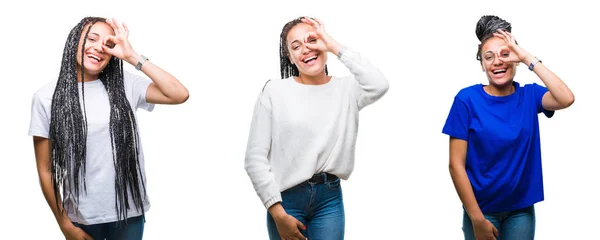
{"x": 497, "y": 61}
{"x": 98, "y": 47}
{"x": 305, "y": 49}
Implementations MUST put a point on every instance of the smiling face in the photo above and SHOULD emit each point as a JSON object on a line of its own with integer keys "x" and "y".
{"x": 94, "y": 59}
{"x": 309, "y": 62}
{"x": 499, "y": 73}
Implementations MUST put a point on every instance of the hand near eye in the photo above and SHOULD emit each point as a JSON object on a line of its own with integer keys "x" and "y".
{"x": 319, "y": 39}
{"x": 119, "y": 43}
{"x": 512, "y": 52}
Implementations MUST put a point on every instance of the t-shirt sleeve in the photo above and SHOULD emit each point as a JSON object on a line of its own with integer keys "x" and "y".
{"x": 457, "y": 123}
{"x": 538, "y": 92}
{"x": 39, "y": 124}
{"x": 136, "y": 88}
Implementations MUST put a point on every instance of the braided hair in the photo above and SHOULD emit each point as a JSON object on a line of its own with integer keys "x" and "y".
{"x": 68, "y": 129}
{"x": 486, "y": 27}
{"x": 286, "y": 67}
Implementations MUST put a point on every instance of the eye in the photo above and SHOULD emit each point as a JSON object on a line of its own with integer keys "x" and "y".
{"x": 312, "y": 40}
{"x": 295, "y": 47}
{"x": 91, "y": 39}
{"x": 505, "y": 54}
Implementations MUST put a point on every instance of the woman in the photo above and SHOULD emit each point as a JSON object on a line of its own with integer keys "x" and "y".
{"x": 303, "y": 133}
{"x": 495, "y": 159}
{"x": 86, "y": 137}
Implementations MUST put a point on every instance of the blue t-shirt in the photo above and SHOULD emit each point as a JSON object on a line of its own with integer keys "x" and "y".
{"x": 503, "y": 161}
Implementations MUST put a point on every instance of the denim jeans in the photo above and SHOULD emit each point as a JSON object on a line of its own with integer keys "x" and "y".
{"x": 518, "y": 224}
{"x": 319, "y": 207}
{"x": 113, "y": 231}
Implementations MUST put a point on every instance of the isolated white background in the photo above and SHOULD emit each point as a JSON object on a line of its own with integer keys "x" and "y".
{"x": 224, "y": 51}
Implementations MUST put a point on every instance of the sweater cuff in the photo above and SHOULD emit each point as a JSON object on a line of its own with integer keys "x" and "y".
{"x": 272, "y": 201}
{"x": 341, "y": 52}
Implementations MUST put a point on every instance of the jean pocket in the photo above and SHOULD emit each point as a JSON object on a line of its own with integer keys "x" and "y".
{"x": 333, "y": 185}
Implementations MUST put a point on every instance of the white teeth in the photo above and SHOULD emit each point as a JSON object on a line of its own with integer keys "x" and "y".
{"x": 499, "y": 71}
{"x": 310, "y": 58}
{"x": 94, "y": 57}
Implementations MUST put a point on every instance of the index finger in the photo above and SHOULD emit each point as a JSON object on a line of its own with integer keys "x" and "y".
{"x": 299, "y": 235}
{"x": 311, "y": 21}
{"x": 318, "y": 21}
{"x": 112, "y": 24}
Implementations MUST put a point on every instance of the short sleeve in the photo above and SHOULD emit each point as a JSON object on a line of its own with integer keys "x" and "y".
{"x": 136, "y": 88}
{"x": 538, "y": 93}
{"x": 457, "y": 123}
{"x": 39, "y": 124}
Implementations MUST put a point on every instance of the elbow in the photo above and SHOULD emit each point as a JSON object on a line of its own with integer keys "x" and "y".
{"x": 183, "y": 97}
{"x": 455, "y": 168}
{"x": 569, "y": 101}
{"x": 385, "y": 86}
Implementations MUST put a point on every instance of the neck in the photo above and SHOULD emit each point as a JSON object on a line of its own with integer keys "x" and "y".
{"x": 313, "y": 80}
{"x": 500, "y": 90}
{"x": 87, "y": 77}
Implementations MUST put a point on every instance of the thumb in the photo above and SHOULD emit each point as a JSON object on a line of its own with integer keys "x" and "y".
{"x": 108, "y": 50}
{"x": 87, "y": 237}
{"x": 310, "y": 36}
{"x": 300, "y": 225}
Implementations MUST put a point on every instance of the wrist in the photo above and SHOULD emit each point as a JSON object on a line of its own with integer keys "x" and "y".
{"x": 475, "y": 218}
{"x": 65, "y": 224}
{"x": 277, "y": 211}
{"x": 334, "y": 47}
{"x": 524, "y": 56}
{"x": 134, "y": 58}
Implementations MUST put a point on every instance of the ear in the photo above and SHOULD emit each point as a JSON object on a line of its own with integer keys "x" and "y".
{"x": 482, "y": 66}
{"x": 291, "y": 60}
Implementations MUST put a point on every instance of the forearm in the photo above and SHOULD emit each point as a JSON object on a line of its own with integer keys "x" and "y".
{"x": 463, "y": 187}
{"x": 48, "y": 190}
{"x": 42, "y": 156}
{"x": 277, "y": 211}
{"x": 165, "y": 82}
{"x": 258, "y": 169}
{"x": 256, "y": 163}
{"x": 372, "y": 84}
{"x": 559, "y": 90}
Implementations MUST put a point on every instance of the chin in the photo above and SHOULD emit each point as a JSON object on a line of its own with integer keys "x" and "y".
{"x": 501, "y": 82}
{"x": 314, "y": 71}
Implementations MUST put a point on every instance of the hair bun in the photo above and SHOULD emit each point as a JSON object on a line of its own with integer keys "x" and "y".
{"x": 489, "y": 24}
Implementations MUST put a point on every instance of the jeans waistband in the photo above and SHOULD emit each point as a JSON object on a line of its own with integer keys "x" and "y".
{"x": 320, "y": 178}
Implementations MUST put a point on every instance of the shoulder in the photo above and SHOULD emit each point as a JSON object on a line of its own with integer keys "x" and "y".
{"x": 129, "y": 77}
{"x": 271, "y": 85}
{"x": 468, "y": 92}
{"x": 529, "y": 86}
{"x": 46, "y": 92}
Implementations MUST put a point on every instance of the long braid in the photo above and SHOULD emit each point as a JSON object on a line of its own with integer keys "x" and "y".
{"x": 124, "y": 140}
{"x": 68, "y": 130}
{"x": 288, "y": 69}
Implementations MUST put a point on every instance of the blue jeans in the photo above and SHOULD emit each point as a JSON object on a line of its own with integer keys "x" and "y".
{"x": 112, "y": 231}
{"x": 319, "y": 207}
{"x": 518, "y": 224}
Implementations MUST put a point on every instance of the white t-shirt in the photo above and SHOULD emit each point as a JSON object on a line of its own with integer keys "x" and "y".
{"x": 98, "y": 205}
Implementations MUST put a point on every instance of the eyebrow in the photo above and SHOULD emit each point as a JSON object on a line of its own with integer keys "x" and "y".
{"x": 295, "y": 41}
{"x": 94, "y": 34}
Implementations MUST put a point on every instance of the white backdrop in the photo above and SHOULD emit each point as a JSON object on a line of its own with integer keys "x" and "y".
{"x": 224, "y": 51}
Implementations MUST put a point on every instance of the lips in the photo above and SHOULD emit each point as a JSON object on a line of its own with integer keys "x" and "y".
{"x": 499, "y": 73}
{"x": 94, "y": 58}
{"x": 310, "y": 60}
